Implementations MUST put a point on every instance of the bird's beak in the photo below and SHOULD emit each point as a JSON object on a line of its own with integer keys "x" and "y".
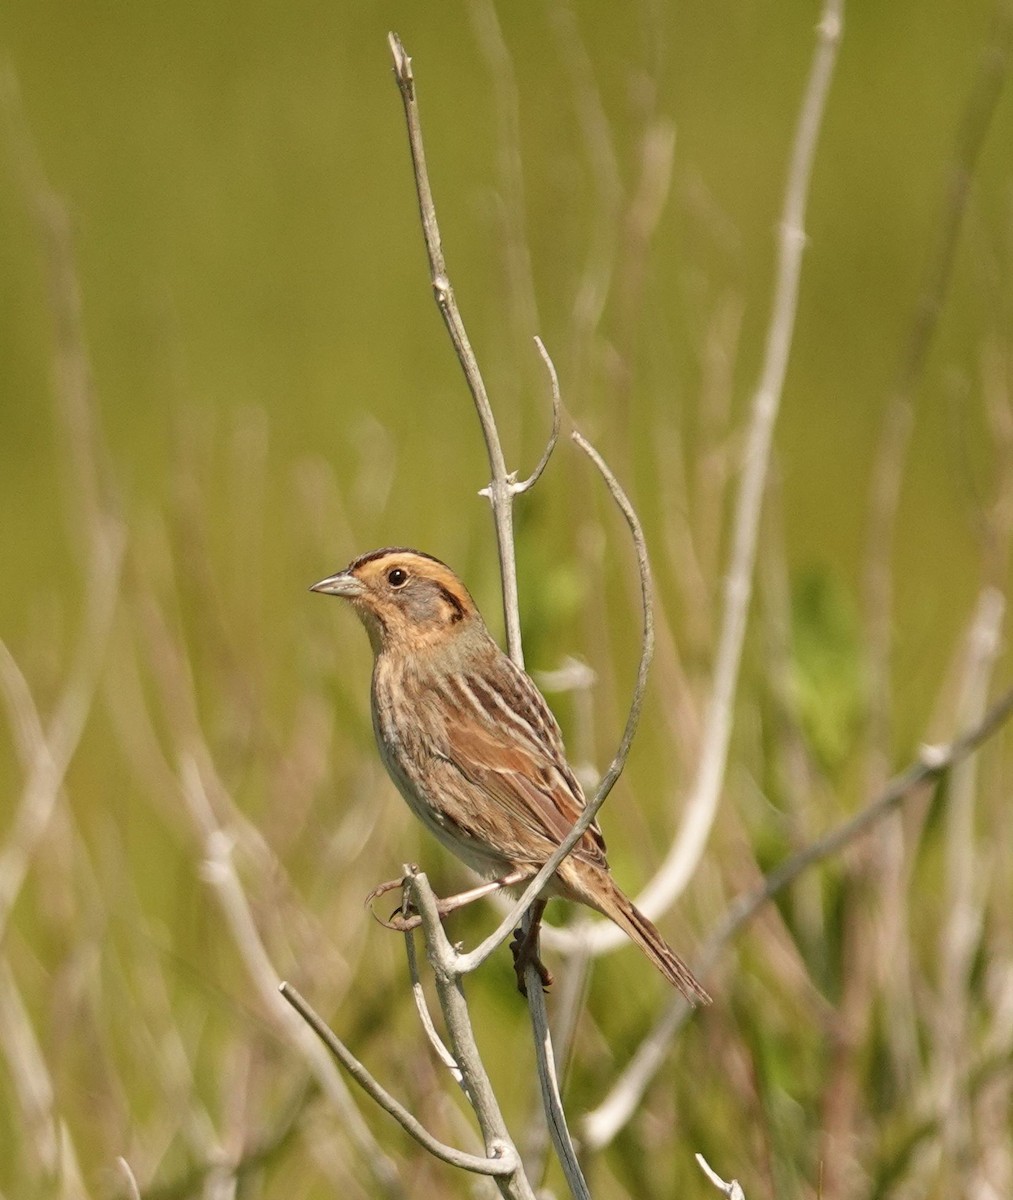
{"x": 342, "y": 584}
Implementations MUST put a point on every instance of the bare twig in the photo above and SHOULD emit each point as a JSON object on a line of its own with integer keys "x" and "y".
{"x": 601, "y": 1125}
{"x": 933, "y": 763}
{"x": 500, "y": 489}
{"x": 731, "y": 1188}
{"x": 568, "y": 1006}
{"x": 961, "y": 929}
{"x": 133, "y": 1190}
{"x": 647, "y": 634}
{"x": 425, "y": 1016}
{"x": 548, "y": 1080}
{"x": 552, "y": 1102}
{"x": 557, "y": 410}
{"x": 503, "y": 1164}
{"x": 701, "y": 807}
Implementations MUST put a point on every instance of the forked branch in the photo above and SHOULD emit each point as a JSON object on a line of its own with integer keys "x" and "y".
{"x": 500, "y": 489}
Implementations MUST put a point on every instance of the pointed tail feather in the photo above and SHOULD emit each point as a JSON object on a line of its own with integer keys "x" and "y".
{"x": 632, "y": 921}
{"x": 617, "y": 906}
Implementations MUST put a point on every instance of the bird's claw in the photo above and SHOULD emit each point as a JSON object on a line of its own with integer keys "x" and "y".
{"x": 524, "y": 948}
{"x": 404, "y": 918}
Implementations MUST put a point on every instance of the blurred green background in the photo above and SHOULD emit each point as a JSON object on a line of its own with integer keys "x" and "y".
{"x": 276, "y": 394}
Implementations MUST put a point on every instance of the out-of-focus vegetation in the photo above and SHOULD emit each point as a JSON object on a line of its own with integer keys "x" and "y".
{"x": 260, "y": 388}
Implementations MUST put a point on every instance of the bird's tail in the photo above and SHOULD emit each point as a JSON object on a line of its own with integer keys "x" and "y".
{"x": 610, "y": 900}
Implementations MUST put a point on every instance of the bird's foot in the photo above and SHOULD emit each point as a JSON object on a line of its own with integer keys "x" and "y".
{"x": 524, "y": 948}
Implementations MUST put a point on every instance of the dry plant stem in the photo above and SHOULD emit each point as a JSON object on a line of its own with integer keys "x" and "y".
{"x": 101, "y": 534}
{"x": 701, "y": 808}
{"x": 569, "y": 995}
{"x": 548, "y": 1081}
{"x": 500, "y": 489}
{"x": 447, "y": 975}
{"x": 425, "y": 1017}
{"x": 46, "y": 755}
{"x": 557, "y": 412}
{"x": 551, "y": 1099}
{"x": 888, "y": 471}
{"x": 404, "y": 922}
{"x": 220, "y": 872}
{"x": 155, "y": 1017}
{"x": 888, "y": 474}
{"x": 255, "y": 1153}
{"x": 469, "y": 962}
{"x": 502, "y": 1165}
{"x": 601, "y": 1125}
{"x": 731, "y": 1189}
{"x": 679, "y": 866}
{"x": 46, "y": 1136}
{"x": 961, "y": 929}
{"x": 133, "y": 1191}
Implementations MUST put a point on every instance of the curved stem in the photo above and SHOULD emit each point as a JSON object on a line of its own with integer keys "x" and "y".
{"x": 468, "y": 962}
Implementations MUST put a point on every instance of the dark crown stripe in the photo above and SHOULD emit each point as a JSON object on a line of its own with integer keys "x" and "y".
{"x": 373, "y": 555}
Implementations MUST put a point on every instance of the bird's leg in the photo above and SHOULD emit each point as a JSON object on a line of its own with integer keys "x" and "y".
{"x": 525, "y": 949}
{"x": 404, "y": 918}
{"x": 451, "y": 903}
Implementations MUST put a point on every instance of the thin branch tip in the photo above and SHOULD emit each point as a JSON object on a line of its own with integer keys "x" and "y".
{"x": 732, "y": 1188}
{"x": 132, "y": 1187}
{"x": 557, "y": 420}
{"x": 831, "y": 26}
{"x": 402, "y": 63}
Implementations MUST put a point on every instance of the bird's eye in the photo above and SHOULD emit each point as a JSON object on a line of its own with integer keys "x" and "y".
{"x": 397, "y": 578}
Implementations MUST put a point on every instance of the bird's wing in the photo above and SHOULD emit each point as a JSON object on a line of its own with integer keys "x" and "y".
{"x": 505, "y": 746}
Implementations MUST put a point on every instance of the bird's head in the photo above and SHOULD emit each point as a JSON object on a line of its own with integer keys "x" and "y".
{"x": 406, "y": 600}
